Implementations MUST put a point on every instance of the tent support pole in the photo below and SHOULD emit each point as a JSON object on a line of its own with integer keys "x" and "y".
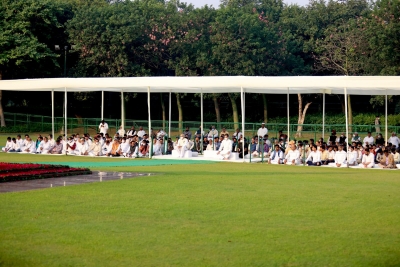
{"x": 243, "y": 120}
{"x": 169, "y": 117}
{"x": 102, "y": 105}
{"x": 323, "y": 116}
{"x": 347, "y": 125}
{"x": 65, "y": 118}
{"x": 122, "y": 111}
{"x": 288, "y": 119}
{"x": 148, "y": 105}
{"x": 202, "y": 120}
{"x": 386, "y": 118}
{"x": 52, "y": 112}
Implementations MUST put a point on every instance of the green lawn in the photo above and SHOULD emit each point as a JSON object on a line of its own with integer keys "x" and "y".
{"x": 223, "y": 214}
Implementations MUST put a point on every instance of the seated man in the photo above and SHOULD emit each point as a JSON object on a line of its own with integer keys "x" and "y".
{"x": 387, "y": 161}
{"x": 95, "y": 148}
{"x": 254, "y": 148}
{"x": 225, "y": 148}
{"x": 182, "y": 146}
{"x": 71, "y": 145}
{"x": 133, "y": 149}
{"x": 125, "y": 147}
{"x": 368, "y": 160}
{"x": 14, "y": 146}
{"x": 276, "y": 156}
{"x": 396, "y": 156}
{"x": 293, "y": 155}
{"x": 353, "y": 154}
{"x": 314, "y": 158}
{"x": 106, "y": 148}
{"x": 212, "y": 133}
{"x": 157, "y": 147}
{"x": 29, "y": 146}
{"x": 197, "y": 145}
{"x": 115, "y": 149}
{"x": 324, "y": 155}
{"x": 340, "y": 156}
{"x": 44, "y": 146}
{"x": 8, "y": 146}
{"x": 57, "y": 148}
{"x": 243, "y": 147}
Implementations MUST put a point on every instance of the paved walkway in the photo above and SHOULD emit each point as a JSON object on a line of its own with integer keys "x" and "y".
{"x": 96, "y": 176}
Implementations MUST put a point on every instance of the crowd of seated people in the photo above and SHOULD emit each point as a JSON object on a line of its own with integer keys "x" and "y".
{"x": 130, "y": 144}
{"x": 367, "y": 152}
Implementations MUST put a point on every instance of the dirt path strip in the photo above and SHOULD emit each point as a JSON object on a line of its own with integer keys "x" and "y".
{"x": 96, "y": 176}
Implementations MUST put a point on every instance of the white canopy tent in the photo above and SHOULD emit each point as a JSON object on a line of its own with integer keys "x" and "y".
{"x": 346, "y": 85}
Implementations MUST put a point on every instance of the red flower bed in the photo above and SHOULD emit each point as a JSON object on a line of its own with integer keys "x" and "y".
{"x": 17, "y": 172}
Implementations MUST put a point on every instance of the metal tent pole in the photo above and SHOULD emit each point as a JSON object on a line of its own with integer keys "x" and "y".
{"x": 102, "y": 105}
{"x": 288, "y": 119}
{"x": 347, "y": 126}
{"x": 243, "y": 120}
{"x": 202, "y": 120}
{"x": 386, "y": 119}
{"x": 122, "y": 110}
{"x": 52, "y": 112}
{"x": 148, "y": 105}
{"x": 323, "y": 116}
{"x": 169, "y": 118}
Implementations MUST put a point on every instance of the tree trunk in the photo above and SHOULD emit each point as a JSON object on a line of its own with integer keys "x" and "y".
{"x": 2, "y": 119}
{"x": 302, "y": 115}
{"x": 350, "y": 114}
{"x": 163, "y": 111}
{"x": 180, "y": 112}
{"x": 234, "y": 111}
{"x": 217, "y": 110}
{"x": 265, "y": 108}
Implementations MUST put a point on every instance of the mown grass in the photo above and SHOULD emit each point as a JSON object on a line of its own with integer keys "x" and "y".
{"x": 221, "y": 214}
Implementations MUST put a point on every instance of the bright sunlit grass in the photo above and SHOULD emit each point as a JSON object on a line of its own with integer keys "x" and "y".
{"x": 222, "y": 214}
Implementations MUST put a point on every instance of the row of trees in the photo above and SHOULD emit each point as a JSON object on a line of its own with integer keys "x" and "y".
{"x": 164, "y": 38}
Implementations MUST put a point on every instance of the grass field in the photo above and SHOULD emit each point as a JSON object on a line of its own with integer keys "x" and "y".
{"x": 222, "y": 214}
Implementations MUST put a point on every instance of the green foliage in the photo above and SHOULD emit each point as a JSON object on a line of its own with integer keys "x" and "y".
{"x": 26, "y": 128}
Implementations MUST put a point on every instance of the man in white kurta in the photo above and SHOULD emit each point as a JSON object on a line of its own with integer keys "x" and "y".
{"x": 182, "y": 146}
{"x": 262, "y": 131}
{"x": 394, "y": 140}
{"x": 225, "y": 148}
{"x": 368, "y": 140}
{"x": 293, "y": 155}
{"x": 340, "y": 157}
{"x": 368, "y": 160}
{"x": 103, "y": 127}
{"x": 8, "y": 146}
{"x": 141, "y": 133}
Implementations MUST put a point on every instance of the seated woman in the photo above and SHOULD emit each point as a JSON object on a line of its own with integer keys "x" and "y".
{"x": 387, "y": 161}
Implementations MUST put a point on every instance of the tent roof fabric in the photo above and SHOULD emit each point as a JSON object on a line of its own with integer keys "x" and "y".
{"x": 355, "y": 85}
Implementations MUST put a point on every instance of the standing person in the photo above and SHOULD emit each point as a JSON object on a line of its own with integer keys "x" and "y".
{"x": 225, "y": 148}
{"x": 262, "y": 131}
{"x": 103, "y": 127}
{"x": 182, "y": 146}
{"x": 377, "y": 124}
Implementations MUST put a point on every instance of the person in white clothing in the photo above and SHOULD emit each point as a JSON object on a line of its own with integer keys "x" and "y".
{"x": 44, "y": 146}
{"x": 237, "y": 134}
{"x": 14, "y": 146}
{"x": 21, "y": 142}
{"x": 212, "y": 133}
{"x": 141, "y": 133}
{"x": 276, "y": 156}
{"x": 368, "y": 140}
{"x": 103, "y": 127}
{"x": 157, "y": 148}
{"x": 131, "y": 132}
{"x": 121, "y": 131}
{"x": 8, "y": 146}
{"x": 125, "y": 147}
{"x": 353, "y": 155}
{"x": 262, "y": 131}
{"x": 225, "y": 148}
{"x": 182, "y": 146}
{"x": 394, "y": 140}
{"x": 29, "y": 146}
{"x": 368, "y": 160}
{"x": 106, "y": 148}
{"x": 340, "y": 156}
{"x": 314, "y": 158}
{"x": 293, "y": 155}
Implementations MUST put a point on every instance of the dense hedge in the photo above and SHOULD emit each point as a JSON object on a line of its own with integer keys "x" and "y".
{"x": 26, "y": 128}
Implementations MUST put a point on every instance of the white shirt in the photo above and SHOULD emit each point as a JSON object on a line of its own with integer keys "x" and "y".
{"x": 340, "y": 157}
{"x": 394, "y": 140}
{"x": 369, "y": 158}
{"x": 237, "y": 135}
{"x": 262, "y": 131}
{"x": 292, "y": 155}
{"x": 121, "y": 132}
{"x": 353, "y": 157}
{"x": 131, "y": 133}
{"x": 103, "y": 128}
{"x": 21, "y": 143}
{"x": 212, "y": 133}
{"x": 141, "y": 133}
{"x": 226, "y": 145}
{"x": 9, "y": 145}
{"x": 182, "y": 142}
{"x": 369, "y": 140}
{"x": 315, "y": 156}
{"x": 276, "y": 156}
{"x": 125, "y": 147}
